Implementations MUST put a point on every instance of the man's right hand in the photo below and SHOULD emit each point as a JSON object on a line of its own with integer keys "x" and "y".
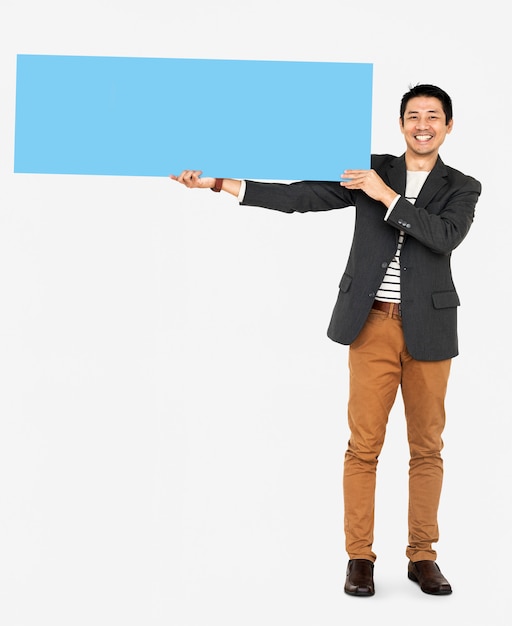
{"x": 192, "y": 179}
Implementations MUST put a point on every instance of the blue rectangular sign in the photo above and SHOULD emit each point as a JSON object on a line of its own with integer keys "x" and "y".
{"x": 124, "y": 116}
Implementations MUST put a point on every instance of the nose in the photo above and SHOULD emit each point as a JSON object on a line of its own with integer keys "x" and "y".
{"x": 422, "y": 123}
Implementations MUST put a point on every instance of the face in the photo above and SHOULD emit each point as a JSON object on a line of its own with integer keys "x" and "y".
{"x": 424, "y": 126}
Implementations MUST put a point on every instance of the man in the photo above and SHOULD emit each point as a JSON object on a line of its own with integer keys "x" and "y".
{"x": 397, "y": 310}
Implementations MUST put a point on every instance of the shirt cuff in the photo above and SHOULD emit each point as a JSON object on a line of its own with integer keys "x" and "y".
{"x": 241, "y": 193}
{"x": 392, "y": 206}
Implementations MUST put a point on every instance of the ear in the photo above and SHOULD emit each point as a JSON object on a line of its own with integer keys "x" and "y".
{"x": 401, "y": 124}
{"x": 449, "y": 126}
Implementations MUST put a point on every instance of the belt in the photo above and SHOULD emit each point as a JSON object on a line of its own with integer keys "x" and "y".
{"x": 387, "y": 307}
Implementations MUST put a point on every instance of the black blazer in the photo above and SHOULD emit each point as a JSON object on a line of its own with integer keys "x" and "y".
{"x": 434, "y": 226}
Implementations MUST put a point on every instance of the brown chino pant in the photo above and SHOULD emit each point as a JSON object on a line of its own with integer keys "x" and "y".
{"x": 379, "y": 363}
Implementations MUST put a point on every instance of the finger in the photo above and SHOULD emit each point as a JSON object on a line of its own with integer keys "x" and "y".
{"x": 188, "y": 177}
{"x": 194, "y": 178}
{"x": 354, "y": 173}
{"x": 183, "y": 176}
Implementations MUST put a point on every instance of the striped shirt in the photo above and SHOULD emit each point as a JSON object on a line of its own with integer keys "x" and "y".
{"x": 389, "y": 291}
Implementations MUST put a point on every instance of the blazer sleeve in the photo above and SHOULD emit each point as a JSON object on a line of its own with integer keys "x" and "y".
{"x": 444, "y": 221}
{"x": 300, "y": 197}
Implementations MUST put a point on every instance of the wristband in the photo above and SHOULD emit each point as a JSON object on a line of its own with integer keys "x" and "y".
{"x": 218, "y": 185}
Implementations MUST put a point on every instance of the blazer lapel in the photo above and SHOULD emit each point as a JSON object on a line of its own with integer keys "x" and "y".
{"x": 435, "y": 181}
{"x": 395, "y": 175}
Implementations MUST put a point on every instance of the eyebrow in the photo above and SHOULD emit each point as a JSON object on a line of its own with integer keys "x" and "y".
{"x": 428, "y": 111}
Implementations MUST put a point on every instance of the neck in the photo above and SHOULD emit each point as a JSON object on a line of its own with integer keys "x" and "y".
{"x": 417, "y": 163}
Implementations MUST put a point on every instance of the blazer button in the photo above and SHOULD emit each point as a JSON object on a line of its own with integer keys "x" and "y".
{"x": 371, "y": 295}
{"x": 384, "y": 265}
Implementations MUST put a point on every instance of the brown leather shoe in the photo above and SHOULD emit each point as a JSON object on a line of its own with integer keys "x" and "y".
{"x": 428, "y": 575}
{"x": 359, "y": 580}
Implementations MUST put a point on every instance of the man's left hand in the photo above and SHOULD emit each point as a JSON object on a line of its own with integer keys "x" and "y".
{"x": 369, "y": 182}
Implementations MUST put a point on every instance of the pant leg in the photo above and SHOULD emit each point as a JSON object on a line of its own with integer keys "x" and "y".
{"x": 375, "y": 374}
{"x": 424, "y": 385}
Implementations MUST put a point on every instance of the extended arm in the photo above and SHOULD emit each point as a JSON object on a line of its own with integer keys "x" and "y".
{"x": 366, "y": 180}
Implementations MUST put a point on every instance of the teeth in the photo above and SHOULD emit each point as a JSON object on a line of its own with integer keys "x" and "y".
{"x": 423, "y": 137}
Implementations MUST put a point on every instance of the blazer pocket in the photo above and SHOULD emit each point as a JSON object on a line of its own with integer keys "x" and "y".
{"x": 445, "y": 299}
{"x": 345, "y": 283}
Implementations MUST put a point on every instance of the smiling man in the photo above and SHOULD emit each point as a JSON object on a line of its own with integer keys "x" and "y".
{"x": 397, "y": 310}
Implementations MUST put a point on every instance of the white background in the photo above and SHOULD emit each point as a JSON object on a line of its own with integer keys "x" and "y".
{"x": 172, "y": 414}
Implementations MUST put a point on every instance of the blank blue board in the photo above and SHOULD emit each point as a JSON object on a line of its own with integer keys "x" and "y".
{"x": 131, "y": 116}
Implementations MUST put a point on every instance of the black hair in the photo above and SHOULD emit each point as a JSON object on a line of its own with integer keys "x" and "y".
{"x": 430, "y": 91}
